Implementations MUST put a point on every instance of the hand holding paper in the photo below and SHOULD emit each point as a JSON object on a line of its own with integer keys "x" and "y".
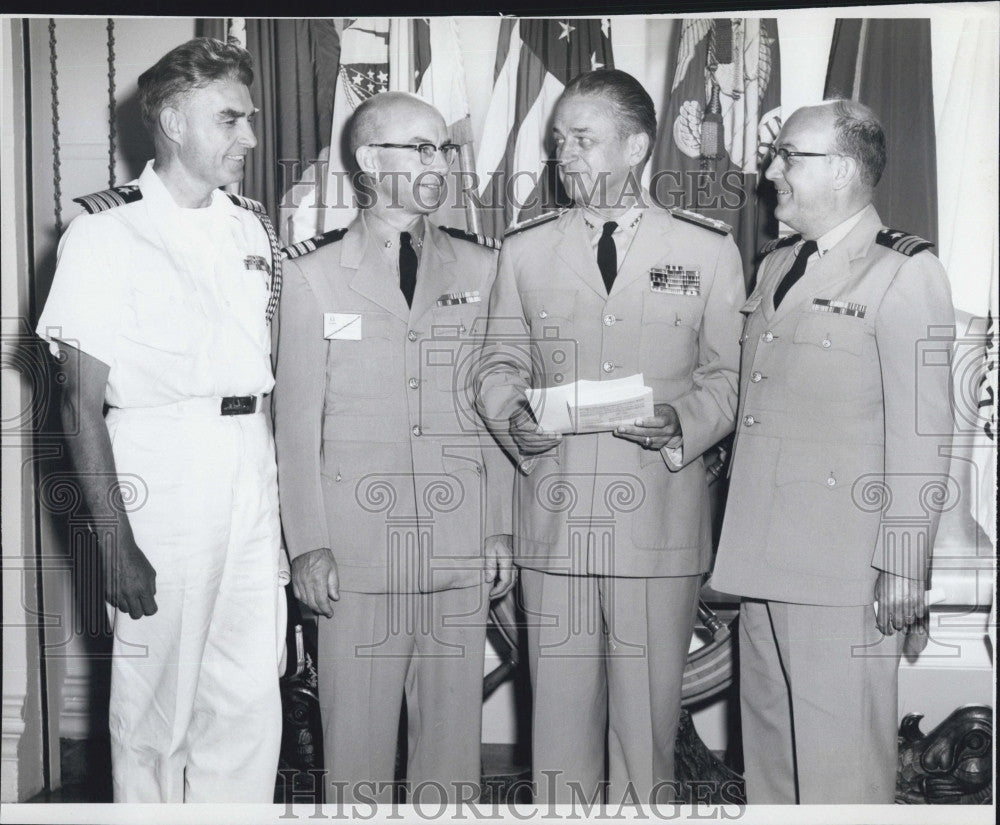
{"x": 663, "y": 429}
{"x": 591, "y": 406}
{"x": 530, "y": 438}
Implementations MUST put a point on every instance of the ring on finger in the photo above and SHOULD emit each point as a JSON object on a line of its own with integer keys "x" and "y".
{"x": 646, "y": 442}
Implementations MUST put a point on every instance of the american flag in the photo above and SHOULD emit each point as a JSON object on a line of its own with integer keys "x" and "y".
{"x": 379, "y": 54}
{"x": 535, "y": 60}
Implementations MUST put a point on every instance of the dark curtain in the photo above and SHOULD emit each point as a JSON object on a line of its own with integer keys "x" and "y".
{"x": 210, "y": 27}
{"x": 894, "y": 57}
{"x": 295, "y": 74}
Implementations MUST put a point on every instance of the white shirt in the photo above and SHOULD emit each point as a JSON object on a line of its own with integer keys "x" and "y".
{"x": 166, "y": 297}
{"x": 828, "y": 240}
{"x": 628, "y": 223}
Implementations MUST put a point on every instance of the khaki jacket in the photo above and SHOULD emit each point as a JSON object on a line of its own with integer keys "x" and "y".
{"x": 597, "y": 504}
{"x": 381, "y": 456}
{"x": 841, "y": 456}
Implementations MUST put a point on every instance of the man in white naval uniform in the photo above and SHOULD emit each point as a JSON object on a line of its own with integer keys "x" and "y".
{"x": 160, "y": 309}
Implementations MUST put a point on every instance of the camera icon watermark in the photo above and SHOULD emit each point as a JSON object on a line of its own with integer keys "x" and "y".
{"x": 972, "y": 363}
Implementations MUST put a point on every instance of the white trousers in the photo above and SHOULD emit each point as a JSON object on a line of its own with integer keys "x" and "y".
{"x": 195, "y": 712}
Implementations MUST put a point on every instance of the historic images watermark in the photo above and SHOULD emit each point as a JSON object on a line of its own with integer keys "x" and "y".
{"x": 525, "y": 191}
{"x": 520, "y": 799}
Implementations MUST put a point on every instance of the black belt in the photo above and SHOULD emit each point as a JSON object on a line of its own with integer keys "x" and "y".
{"x": 238, "y": 405}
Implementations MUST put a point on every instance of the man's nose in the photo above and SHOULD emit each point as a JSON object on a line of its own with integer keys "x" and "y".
{"x": 772, "y": 172}
{"x": 247, "y": 137}
{"x": 564, "y": 153}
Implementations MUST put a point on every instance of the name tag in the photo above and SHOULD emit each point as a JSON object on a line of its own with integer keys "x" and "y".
{"x": 675, "y": 279}
{"x": 452, "y": 298}
{"x": 839, "y": 307}
{"x": 257, "y": 262}
{"x": 341, "y": 326}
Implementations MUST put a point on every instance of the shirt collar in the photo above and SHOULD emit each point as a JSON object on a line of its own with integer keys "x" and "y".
{"x": 828, "y": 240}
{"x": 627, "y": 221}
{"x": 386, "y": 237}
{"x": 153, "y": 189}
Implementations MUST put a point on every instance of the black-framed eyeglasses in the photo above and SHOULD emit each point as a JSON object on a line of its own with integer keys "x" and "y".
{"x": 427, "y": 151}
{"x": 770, "y": 150}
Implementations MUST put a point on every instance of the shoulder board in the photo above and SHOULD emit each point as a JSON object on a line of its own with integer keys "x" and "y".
{"x": 109, "y": 198}
{"x": 297, "y": 250}
{"x": 711, "y": 224}
{"x": 247, "y": 203}
{"x": 475, "y": 237}
{"x": 531, "y": 223}
{"x": 902, "y": 242}
{"x": 778, "y": 243}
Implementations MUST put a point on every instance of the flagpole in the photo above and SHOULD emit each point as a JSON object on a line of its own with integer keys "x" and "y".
{"x": 462, "y": 135}
{"x": 859, "y": 61}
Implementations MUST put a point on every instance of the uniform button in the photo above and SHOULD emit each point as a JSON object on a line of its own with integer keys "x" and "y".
{"x": 413, "y": 383}
{"x": 411, "y": 335}
{"x": 608, "y": 366}
{"x": 767, "y": 337}
{"x": 826, "y": 343}
{"x": 744, "y": 339}
{"x": 755, "y": 376}
{"x": 417, "y": 431}
{"x": 609, "y": 320}
{"x": 749, "y": 420}
{"x": 542, "y": 313}
{"x": 831, "y": 482}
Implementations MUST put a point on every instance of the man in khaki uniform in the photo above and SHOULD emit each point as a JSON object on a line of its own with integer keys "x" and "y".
{"x": 395, "y": 509}
{"x": 612, "y": 529}
{"x": 841, "y": 455}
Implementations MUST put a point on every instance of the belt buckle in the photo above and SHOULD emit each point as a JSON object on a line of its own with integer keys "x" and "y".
{"x": 238, "y": 405}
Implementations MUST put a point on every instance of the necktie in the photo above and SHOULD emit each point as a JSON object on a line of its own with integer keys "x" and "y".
{"x": 796, "y": 272}
{"x": 607, "y": 255}
{"x": 407, "y": 268}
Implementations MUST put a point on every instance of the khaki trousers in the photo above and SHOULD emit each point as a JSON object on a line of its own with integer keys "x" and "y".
{"x": 818, "y": 702}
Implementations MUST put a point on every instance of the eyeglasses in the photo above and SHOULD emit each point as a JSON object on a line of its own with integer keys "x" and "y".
{"x": 771, "y": 150}
{"x": 428, "y": 151}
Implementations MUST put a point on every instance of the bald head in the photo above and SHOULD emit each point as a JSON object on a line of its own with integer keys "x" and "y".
{"x": 858, "y": 134}
{"x": 379, "y": 113}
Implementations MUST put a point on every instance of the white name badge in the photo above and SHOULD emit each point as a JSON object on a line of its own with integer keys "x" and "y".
{"x": 341, "y": 326}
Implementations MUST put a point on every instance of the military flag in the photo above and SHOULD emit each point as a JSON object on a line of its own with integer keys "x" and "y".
{"x": 723, "y": 102}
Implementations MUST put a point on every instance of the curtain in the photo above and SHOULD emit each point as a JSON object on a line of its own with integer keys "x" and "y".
{"x": 295, "y": 71}
{"x": 886, "y": 64}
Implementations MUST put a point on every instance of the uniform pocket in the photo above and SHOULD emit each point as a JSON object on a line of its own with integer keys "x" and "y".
{"x": 367, "y": 368}
{"x": 816, "y": 525}
{"x": 668, "y": 342}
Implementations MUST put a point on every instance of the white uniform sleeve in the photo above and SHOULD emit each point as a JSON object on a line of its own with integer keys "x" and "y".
{"x": 89, "y": 294}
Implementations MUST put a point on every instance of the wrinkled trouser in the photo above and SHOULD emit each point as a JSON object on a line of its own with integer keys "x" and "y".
{"x": 195, "y": 712}
{"x": 607, "y": 657}
{"x": 379, "y": 647}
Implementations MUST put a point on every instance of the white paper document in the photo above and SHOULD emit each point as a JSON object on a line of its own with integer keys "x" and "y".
{"x": 591, "y": 406}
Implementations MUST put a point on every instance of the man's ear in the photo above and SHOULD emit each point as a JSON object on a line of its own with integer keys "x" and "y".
{"x": 367, "y": 159}
{"x": 637, "y": 145}
{"x": 845, "y": 171}
{"x": 172, "y": 124}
